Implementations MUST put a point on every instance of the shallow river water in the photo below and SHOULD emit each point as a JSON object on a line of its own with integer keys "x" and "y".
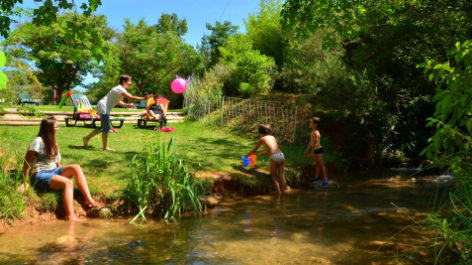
{"x": 344, "y": 224}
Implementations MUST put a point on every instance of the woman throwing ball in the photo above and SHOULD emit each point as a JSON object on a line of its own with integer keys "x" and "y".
{"x": 105, "y": 105}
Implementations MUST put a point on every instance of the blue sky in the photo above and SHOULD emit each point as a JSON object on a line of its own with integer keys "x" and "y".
{"x": 196, "y": 12}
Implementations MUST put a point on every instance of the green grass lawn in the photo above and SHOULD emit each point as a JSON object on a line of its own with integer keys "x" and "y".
{"x": 217, "y": 149}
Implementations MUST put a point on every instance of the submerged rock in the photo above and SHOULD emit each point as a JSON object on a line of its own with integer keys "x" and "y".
{"x": 64, "y": 240}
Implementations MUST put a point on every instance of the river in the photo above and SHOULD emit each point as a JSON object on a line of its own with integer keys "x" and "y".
{"x": 348, "y": 223}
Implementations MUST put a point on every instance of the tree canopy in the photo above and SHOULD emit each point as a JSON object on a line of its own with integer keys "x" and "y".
{"x": 152, "y": 58}
{"x": 62, "y": 57}
{"x": 211, "y": 43}
{"x": 43, "y": 15}
{"x": 171, "y": 23}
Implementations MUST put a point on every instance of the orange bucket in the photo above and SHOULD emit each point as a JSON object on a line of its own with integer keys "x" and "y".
{"x": 252, "y": 161}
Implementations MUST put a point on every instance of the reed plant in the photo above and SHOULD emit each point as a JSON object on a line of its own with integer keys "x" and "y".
{"x": 161, "y": 182}
{"x": 12, "y": 201}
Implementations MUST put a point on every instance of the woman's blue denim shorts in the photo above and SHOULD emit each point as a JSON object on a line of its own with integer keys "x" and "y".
{"x": 42, "y": 179}
{"x": 105, "y": 121}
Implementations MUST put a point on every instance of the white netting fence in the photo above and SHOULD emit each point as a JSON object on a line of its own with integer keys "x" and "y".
{"x": 289, "y": 122}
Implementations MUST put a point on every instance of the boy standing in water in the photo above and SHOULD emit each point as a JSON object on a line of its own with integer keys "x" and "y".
{"x": 277, "y": 159}
{"x": 317, "y": 150}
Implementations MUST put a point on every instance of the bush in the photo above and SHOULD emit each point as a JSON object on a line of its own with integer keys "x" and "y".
{"x": 160, "y": 182}
{"x": 12, "y": 202}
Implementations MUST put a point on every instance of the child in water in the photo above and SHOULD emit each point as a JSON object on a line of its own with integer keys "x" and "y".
{"x": 317, "y": 150}
{"x": 277, "y": 159}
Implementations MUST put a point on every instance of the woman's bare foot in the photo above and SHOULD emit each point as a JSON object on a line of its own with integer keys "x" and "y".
{"x": 109, "y": 150}
{"x": 85, "y": 142}
{"x": 91, "y": 204}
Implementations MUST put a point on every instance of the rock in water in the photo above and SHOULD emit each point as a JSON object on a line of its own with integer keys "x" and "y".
{"x": 106, "y": 212}
{"x": 64, "y": 240}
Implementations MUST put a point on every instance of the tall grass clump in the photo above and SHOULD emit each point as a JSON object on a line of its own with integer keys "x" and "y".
{"x": 12, "y": 201}
{"x": 161, "y": 183}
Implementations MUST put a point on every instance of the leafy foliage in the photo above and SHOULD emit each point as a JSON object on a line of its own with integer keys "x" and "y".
{"x": 253, "y": 73}
{"x": 209, "y": 48}
{"x": 453, "y": 117}
{"x": 451, "y": 147}
{"x": 153, "y": 59}
{"x": 43, "y": 15}
{"x": 171, "y": 23}
{"x": 64, "y": 58}
{"x": 265, "y": 30}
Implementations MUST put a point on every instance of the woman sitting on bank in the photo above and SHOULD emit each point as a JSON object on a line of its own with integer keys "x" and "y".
{"x": 44, "y": 159}
{"x": 156, "y": 111}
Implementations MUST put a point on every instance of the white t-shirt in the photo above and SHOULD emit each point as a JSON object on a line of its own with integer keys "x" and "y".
{"x": 105, "y": 104}
{"x": 42, "y": 161}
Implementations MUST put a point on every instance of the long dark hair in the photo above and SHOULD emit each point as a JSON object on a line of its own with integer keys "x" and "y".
{"x": 46, "y": 132}
{"x": 124, "y": 78}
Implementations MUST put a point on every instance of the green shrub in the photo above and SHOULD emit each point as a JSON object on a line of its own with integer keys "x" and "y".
{"x": 12, "y": 202}
{"x": 161, "y": 182}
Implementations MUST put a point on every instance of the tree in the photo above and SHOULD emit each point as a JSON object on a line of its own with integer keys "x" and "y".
{"x": 384, "y": 41}
{"x": 62, "y": 57}
{"x": 210, "y": 44}
{"x": 43, "y": 15}
{"x": 253, "y": 72}
{"x": 154, "y": 59}
{"x": 308, "y": 67}
{"x": 171, "y": 23}
{"x": 265, "y": 30}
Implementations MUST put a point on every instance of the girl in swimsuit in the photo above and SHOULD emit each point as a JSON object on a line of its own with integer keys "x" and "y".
{"x": 277, "y": 159}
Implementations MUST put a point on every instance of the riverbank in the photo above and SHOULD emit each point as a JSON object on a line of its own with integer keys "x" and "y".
{"x": 216, "y": 149}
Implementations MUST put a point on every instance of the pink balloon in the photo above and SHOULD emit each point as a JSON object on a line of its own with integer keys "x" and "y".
{"x": 178, "y": 86}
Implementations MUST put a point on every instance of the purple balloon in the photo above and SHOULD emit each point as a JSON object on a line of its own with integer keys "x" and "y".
{"x": 178, "y": 86}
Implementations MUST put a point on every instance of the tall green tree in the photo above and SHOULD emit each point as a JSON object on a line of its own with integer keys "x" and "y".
{"x": 171, "y": 23}
{"x": 63, "y": 58}
{"x": 265, "y": 30}
{"x": 154, "y": 59}
{"x": 252, "y": 73}
{"x": 211, "y": 43}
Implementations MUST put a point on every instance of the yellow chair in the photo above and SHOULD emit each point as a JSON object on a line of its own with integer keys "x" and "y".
{"x": 144, "y": 119}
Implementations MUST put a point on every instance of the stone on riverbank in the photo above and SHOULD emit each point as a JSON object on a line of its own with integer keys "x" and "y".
{"x": 210, "y": 201}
